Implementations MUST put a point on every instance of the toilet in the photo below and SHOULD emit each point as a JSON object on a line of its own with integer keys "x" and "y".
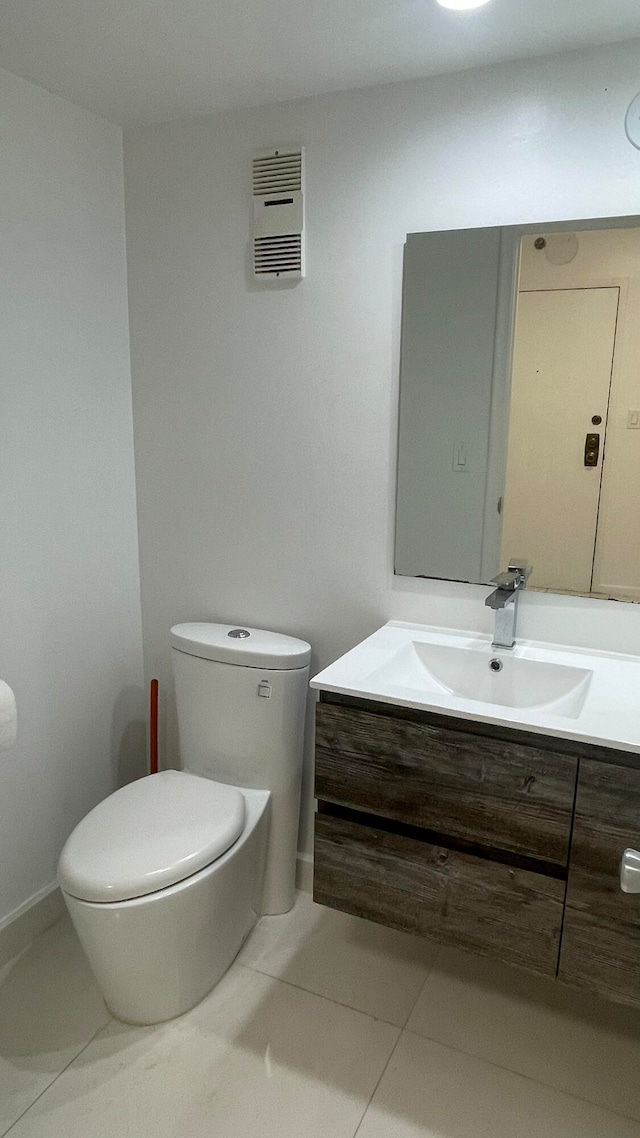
{"x": 165, "y": 878}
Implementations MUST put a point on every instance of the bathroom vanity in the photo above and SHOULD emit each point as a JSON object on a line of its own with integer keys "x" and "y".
{"x": 493, "y": 821}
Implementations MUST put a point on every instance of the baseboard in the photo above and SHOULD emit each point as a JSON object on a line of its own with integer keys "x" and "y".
{"x": 304, "y": 872}
{"x": 21, "y": 927}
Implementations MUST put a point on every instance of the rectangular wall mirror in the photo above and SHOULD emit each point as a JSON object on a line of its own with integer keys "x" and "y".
{"x": 519, "y": 417}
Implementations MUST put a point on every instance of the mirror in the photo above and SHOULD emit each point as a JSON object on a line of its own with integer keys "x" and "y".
{"x": 519, "y": 417}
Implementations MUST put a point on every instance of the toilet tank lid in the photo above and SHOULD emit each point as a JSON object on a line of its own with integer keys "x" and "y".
{"x": 240, "y": 644}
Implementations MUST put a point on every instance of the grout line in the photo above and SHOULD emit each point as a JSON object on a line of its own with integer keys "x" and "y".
{"x": 520, "y": 1075}
{"x": 401, "y": 1031}
{"x": 56, "y": 1077}
{"x": 319, "y": 996}
{"x": 433, "y": 1039}
{"x": 382, "y": 1074}
{"x": 430, "y": 969}
{"x": 340, "y": 1003}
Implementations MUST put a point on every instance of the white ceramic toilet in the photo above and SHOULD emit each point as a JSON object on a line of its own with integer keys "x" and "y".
{"x": 166, "y": 877}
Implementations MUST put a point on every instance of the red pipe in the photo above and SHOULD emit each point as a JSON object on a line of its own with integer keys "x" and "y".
{"x": 153, "y": 728}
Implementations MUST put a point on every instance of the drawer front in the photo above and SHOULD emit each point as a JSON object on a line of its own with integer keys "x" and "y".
{"x": 601, "y": 936}
{"x": 482, "y": 790}
{"x": 486, "y": 907}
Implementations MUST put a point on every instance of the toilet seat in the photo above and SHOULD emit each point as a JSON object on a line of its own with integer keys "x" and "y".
{"x": 150, "y": 834}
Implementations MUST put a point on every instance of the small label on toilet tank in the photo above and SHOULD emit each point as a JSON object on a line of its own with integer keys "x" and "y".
{"x": 264, "y": 689}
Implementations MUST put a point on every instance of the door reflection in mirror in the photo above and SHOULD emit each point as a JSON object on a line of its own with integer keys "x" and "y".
{"x": 521, "y": 356}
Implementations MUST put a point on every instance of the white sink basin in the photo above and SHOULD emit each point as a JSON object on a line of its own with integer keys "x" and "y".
{"x": 478, "y": 673}
{"x": 566, "y": 692}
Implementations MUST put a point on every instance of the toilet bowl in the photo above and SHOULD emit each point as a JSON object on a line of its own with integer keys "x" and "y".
{"x": 165, "y": 878}
{"x": 156, "y": 952}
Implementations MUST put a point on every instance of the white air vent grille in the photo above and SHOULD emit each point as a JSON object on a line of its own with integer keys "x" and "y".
{"x": 276, "y": 171}
{"x": 278, "y": 213}
{"x": 279, "y": 256}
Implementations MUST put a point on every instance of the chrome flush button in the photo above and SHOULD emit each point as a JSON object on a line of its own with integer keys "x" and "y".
{"x": 239, "y": 633}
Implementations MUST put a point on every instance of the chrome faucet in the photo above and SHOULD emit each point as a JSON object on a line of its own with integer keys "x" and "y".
{"x": 504, "y": 600}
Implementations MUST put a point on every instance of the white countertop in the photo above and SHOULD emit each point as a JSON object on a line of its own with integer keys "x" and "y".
{"x": 609, "y": 714}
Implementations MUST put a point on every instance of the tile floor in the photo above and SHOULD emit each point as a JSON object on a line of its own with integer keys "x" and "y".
{"x": 325, "y": 1026}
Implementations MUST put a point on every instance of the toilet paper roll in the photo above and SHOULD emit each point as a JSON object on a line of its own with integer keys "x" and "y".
{"x": 8, "y": 717}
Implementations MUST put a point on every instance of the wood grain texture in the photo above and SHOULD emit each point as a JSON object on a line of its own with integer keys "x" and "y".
{"x": 514, "y": 734}
{"x": 476, "y": 788}
{"x": 486, "y": 907}
{"x": 601, "y": 934}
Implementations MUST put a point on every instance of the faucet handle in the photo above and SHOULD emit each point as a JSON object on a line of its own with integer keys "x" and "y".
{"x": 520, "y": 566}
{"x": 504, "y": 580}
{"x": 517, "y": 573}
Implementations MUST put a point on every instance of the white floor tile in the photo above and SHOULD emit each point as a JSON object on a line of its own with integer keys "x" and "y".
{"x": 257, "y": 1059}
{"x": 431, "y": 1091}
{"x": 363, "y": 965}
{"x": 565, "y": 1039}
{"x": 50, "y": 1007}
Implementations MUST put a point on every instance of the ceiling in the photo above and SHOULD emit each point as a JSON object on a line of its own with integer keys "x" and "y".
{"x": 142, "y": 61}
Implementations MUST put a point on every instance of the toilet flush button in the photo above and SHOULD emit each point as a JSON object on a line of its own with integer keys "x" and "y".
{"x": 264, "y": 689}
{"x": 239, "y": 633}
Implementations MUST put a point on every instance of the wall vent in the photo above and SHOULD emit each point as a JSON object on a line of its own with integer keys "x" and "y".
{"x": 278, "y": 214}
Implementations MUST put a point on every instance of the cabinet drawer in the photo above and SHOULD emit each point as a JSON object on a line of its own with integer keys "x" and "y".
{"x": 486, "y": 907}
{"x": 491, "y": 792}
{"x": 601, "y": 937}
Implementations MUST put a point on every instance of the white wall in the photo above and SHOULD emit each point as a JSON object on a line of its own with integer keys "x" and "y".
{"x": 70, "y": 638}
{"x": 265, "y": 419}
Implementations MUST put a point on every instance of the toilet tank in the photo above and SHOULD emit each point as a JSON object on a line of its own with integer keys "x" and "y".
{"x": 241, "y": 697}
{"x": 241, "y": 702}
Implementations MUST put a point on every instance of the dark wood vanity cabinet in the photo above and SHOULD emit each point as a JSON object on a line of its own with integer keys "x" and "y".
{"x": 601, "y": 933}
{"x": 486, "y": 906}
{"x": 481, "y": 789}
{"x": 502, "y": 842}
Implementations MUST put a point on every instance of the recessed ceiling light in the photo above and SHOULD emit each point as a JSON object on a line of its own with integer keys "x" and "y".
{"x": 462, "y": 5}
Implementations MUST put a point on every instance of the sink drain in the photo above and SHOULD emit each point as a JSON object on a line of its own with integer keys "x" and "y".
{"x": 495, "y": 665}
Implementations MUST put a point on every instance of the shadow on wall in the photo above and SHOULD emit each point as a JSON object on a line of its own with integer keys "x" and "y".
{"x": 129, "y": 736}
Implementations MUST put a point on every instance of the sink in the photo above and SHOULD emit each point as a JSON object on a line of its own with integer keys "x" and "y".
{"x": 569, "y": 693}
{"x": 480, "y": 673}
